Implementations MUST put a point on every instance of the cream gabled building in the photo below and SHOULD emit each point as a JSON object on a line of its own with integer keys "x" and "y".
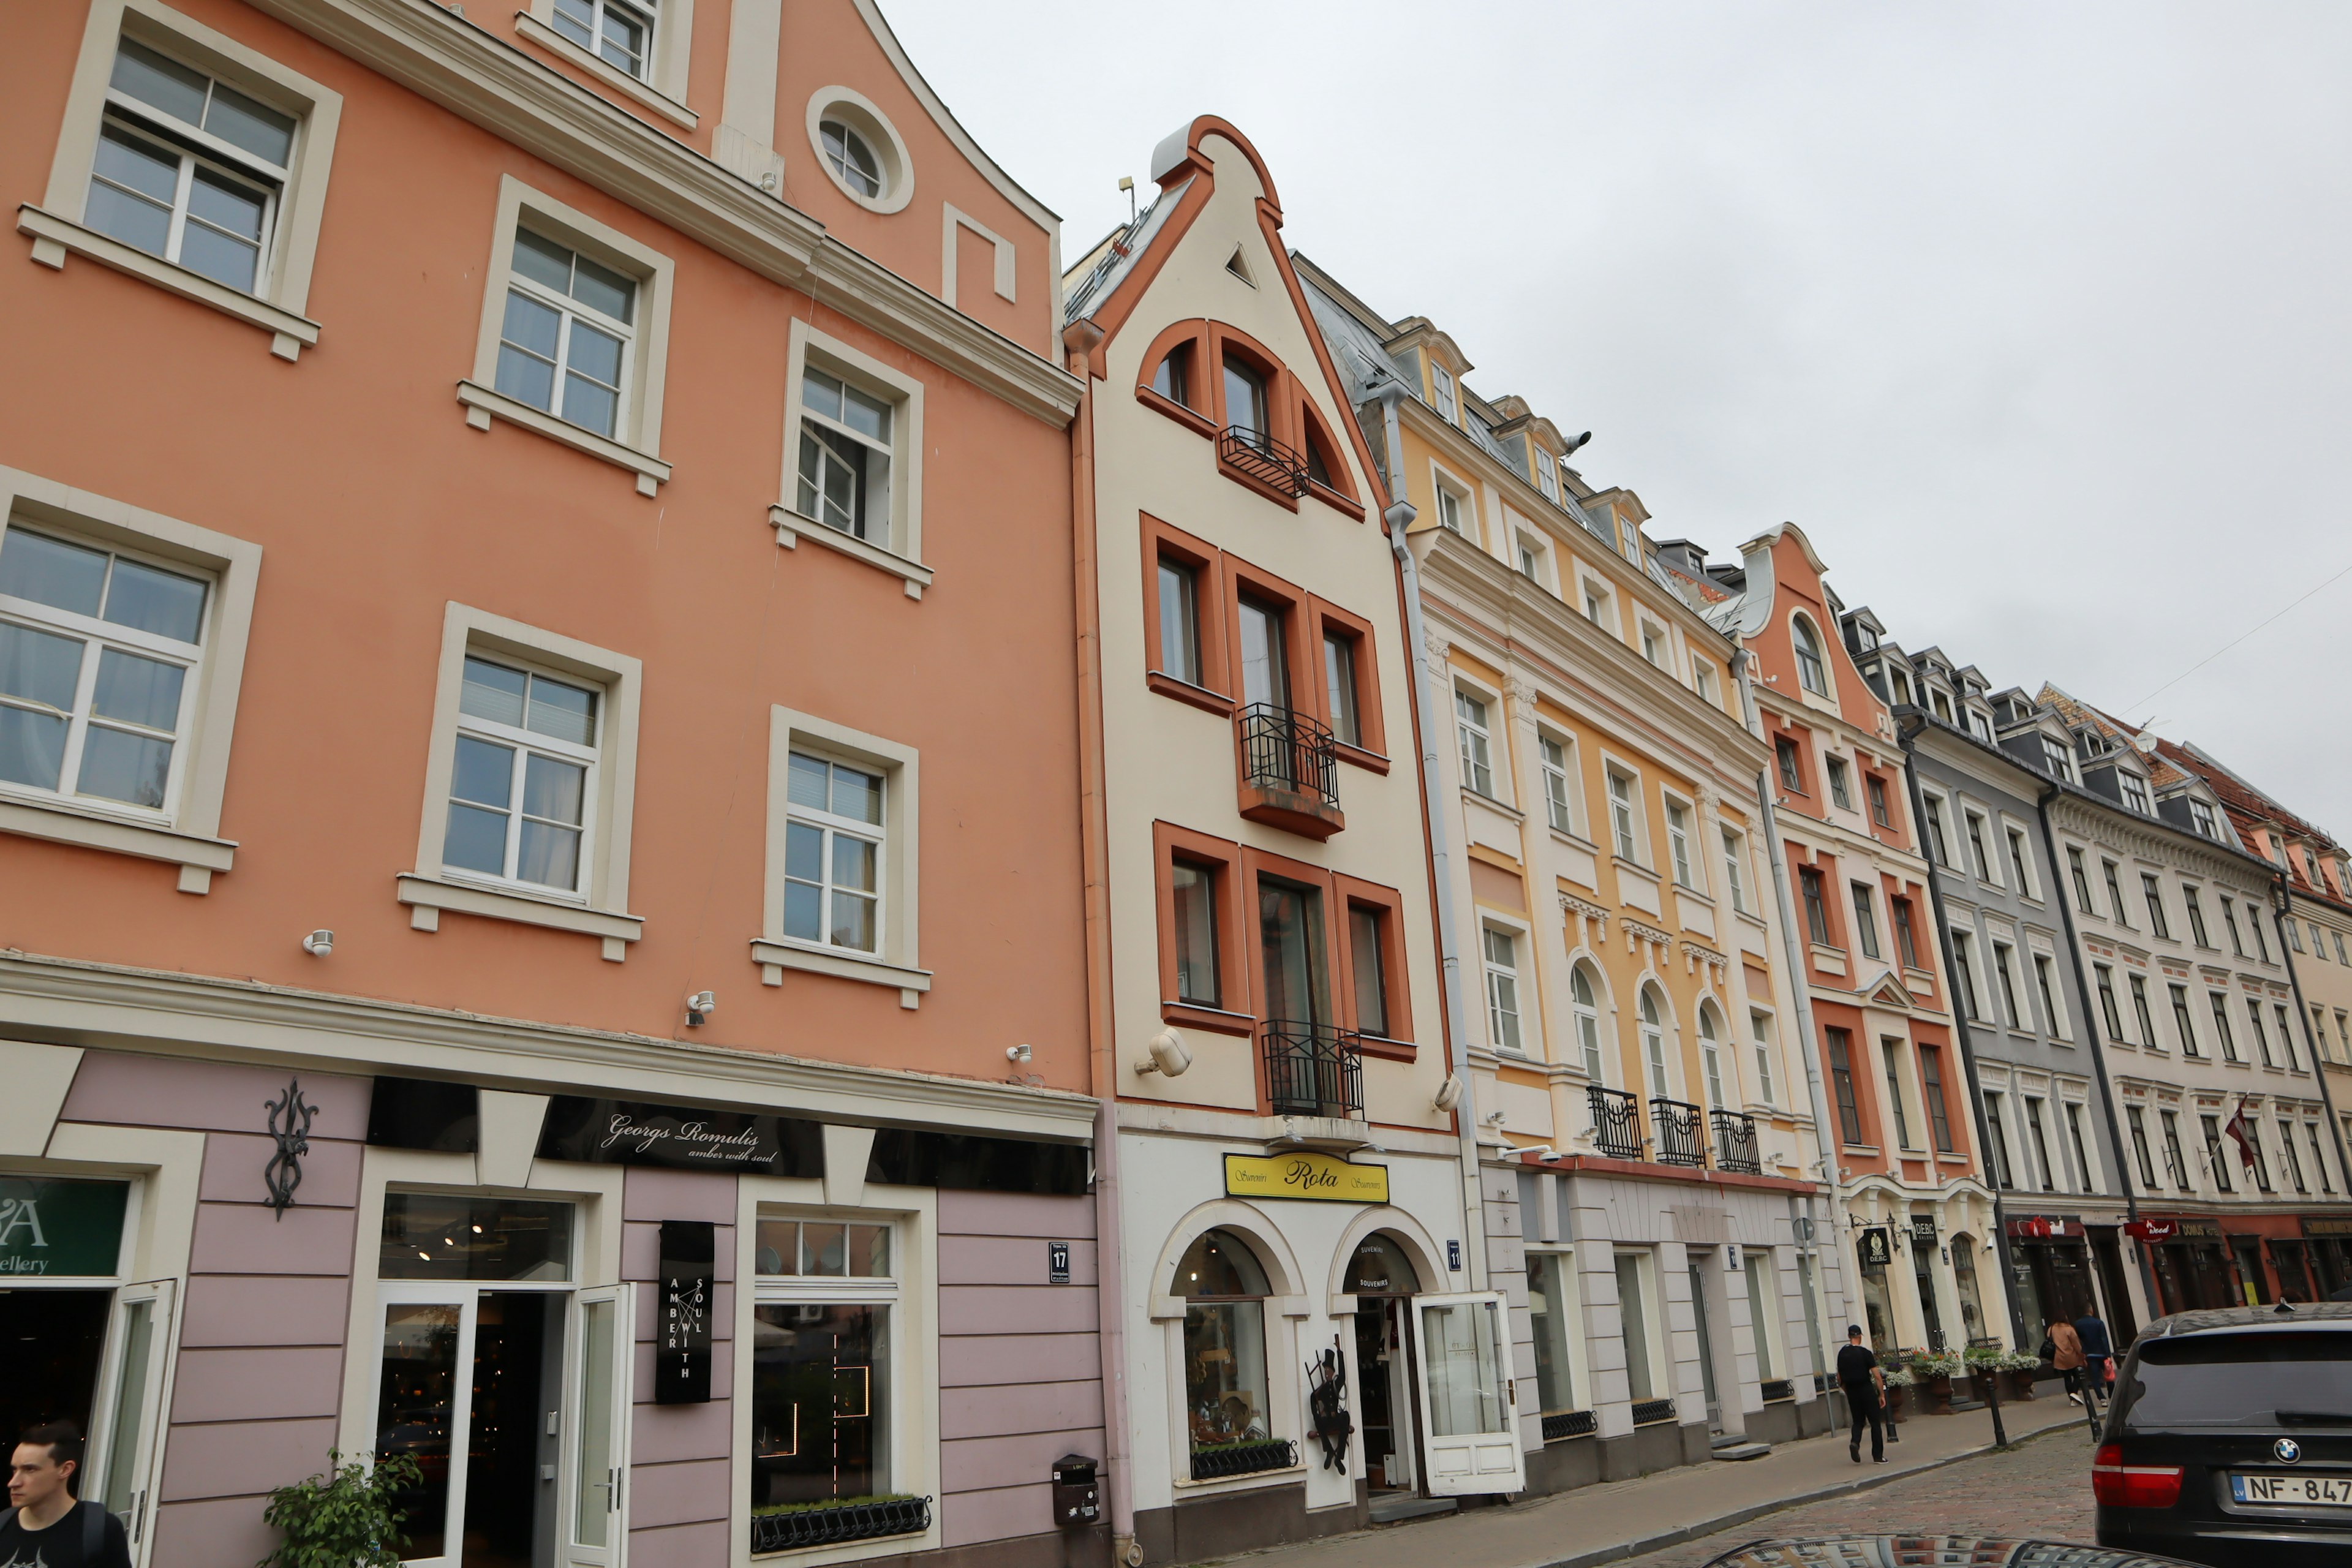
{"x": 1646, "y": 1137}
{"x": 1288, "y": 1169}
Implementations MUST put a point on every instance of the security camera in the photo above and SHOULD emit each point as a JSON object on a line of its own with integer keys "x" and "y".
{"x": 1019, "y": 1054}
{"x": 318, "y": 944}
{"x": 1169, "y": 1055}
{"x": 1578, "y": 441}
{"x": 699, "y": 1007}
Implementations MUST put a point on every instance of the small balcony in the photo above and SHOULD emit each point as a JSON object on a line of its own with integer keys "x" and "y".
{"x": 1616, "y": 1122}
{"x": 1735, "y": 1143}
{"x": 1290, "y": 772}
{"x": 1312, "y": 1069}
{"x": 1679, "y": 1127}
{"x": 1263, "y": 458}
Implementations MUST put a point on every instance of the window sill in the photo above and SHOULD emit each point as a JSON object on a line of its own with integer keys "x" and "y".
{"x": 1336, "y": 499}
{"x": 535, "y": 31}
{"x": 1389, "y": 1050}
{"x": 53, "y": 236}
{"x": 482, "y": 405}
{"x": 1370, "y": 762}
{"x": 1215, "y": 1020}
{"x": 61, "y": 822}
{"x": 792, "y": 528}
{"x": 1491, "y": 804}
{"x": 1185, "y": 691}
{"x": 1197, "y": 423}
{"x": 427, "y": 896}
{"x": 774, "y": 955}
{"x": 1635, "y": 866}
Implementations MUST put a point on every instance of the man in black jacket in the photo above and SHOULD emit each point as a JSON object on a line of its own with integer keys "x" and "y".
{"x": 1862, "y": 1378}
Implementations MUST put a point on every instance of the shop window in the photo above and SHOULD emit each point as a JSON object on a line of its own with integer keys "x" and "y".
{"x": 824, "y": 1366}
{"x": 446, "y": 1236}
{"x": 1555, "y": 1311}
{"x": 1764, "y": 1310}
{"x": 1636, "y": 1303}
{"x": 1226, "y": 1394}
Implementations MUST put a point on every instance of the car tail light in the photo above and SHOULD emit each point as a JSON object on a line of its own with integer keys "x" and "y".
{"x": 2118, "y": 1485}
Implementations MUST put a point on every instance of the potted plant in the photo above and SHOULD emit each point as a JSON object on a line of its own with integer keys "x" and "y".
{"x": 2017, "y": 1369}
{"x": 344, "y": 1517}
{"x": 1932, "y": 1375}
{"x": 1898, "y": 1385}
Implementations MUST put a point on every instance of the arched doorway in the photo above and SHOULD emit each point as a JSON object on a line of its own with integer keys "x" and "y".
{"x": 1382, "y": 1277}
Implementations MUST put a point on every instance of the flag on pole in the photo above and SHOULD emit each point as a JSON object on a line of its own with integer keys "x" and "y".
{"x": 2240, "y": 1128}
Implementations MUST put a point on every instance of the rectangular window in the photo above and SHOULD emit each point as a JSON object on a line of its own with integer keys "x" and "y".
{"x": 2176, "y": 1162}
{"x": 2016, "y": 861}
{"x": 2056, "y": 760}
{"x": 1530, "y": 559}
{"x": 1735, "y": 881}
{"x": 2230, "y": 919}
{"x": 2196, "y": 916}
{"x": 2286, "y": 1037}
{"x": 2139, "y": 1146}
{"x": 2014, "y": 1015}
{"x": 2043, "y": 972}
{"x": 2082, "y": 881}
{"x": 1339, "y": 688}
{"x": 2261, "y": 1036}
{"x": 1449, "y": 510}
{"x": 1940, "y": 850}
{"x": 1817, "y": 914}
{"x": 565, "y": 340}
{"x": 1841, "y": 790}
{"x": 2136, "y": 792}
{"x": 1978, "y": 858}
{"x": 1763, "y": 1309}
{"x": 1678, "y": 844}
{"x": 2003, "y": 1173}
{"x": 833, "y": 854}
{"x": 1634, "y": 1312}
{"x": 1477, "y": 751}
{"x": 619, "y": 34}
{"x": 1554, "y": 783}
{"x": 1894, "y": 1052}
{"x": 1596, "y": 603}
{"x": 99, "y": 671}
{"x": 2201, "y": 816}
{"x": 2041, "y": 1143}
{"x": 844, "y": 819}
{"x": 1760, "y": 1026}
{"x": 1503, "y": 988}
{"x": 1878, "y": 809}
{"x": 1620, "y": 817}
{"x": 2184, "y": 1021}
{"x": 2294, "y": 1157}
{"x": 2221, "y": 1023}
{"x": 1367, "y": 956}
{"x": 2318, "y": 1158}
{"x": 824, "y": 1385}
{"x": 1555, "y": 1308}
{"x": 522, "y": 778}
{"x": 2115, "y": 892}
{"x": 1246, "y": 401}
{"x": 1907, "y": 942}
{"x": 845, "y": 457}
{"x": 1865, "y": 920}
{"x": 1931, "y": 1073}
{"x": 1966, "y": 975}
{"x": 1441, "y": 380}
{"x": 1785, "y": 750}
{"x": 1180, "y": 620}
{"x": 2074, "y": 1138}
{"x": 1199, "y": 975}
{"x": 2141, "y": 1009}
{"x": 1841, "y": 1079}
{"x": 2254, "y": 926}
{"x": 2107, "y": 1008}
{"x": 2155, "y": 895}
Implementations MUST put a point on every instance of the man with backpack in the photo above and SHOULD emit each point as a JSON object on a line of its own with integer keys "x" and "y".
{"x": 46, "y": 1527}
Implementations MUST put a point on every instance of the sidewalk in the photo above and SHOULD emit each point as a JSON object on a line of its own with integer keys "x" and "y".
{"x": 1601, "y": 1523}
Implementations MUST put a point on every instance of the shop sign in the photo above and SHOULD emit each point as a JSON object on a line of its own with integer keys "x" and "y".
{"x": 1318, "y": 1178}
{"x": 2152, "y": 1229}
{"x": 689, "y": 1253}
{"x": 1877, "y": 1247}
{"x": 49, "y": 1229}
{"x": 626, "y": 1132}
{"x": 2312, "y": 1226}
{"x": 1922, "y": 1228}
{"x": 2045, "y": 1228}
{"x": 2210, "y": 1228}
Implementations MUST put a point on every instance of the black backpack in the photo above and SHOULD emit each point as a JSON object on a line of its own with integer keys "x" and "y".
{"x": 93, "y": 1530}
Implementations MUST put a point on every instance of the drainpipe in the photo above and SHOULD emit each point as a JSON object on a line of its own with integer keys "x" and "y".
{"x": 2051, "y": 792}
{"x": 1080, "y": 339}
{"x": 1825, "y": 1131}
{"x": 1906, "y": 734}
{"x": 2284, "y": 901}
{"x": 1399, "y": 516}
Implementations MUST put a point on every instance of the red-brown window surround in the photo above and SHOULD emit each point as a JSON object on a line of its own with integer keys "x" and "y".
{"x": 1291, "y": 415}
{"x": 1350, "y": 894}
{"x": 1236, "y": 929}
{"x": 1330, "y": 621}
{"x": 1162, "y": 541}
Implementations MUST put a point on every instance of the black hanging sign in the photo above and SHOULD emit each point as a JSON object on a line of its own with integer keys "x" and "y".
{"x": 684, "y": 1137}
{"x": 1877, "y": 1249}
{"x": 689, "y": 1253}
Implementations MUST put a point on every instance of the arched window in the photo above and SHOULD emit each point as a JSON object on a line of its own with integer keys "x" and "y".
{"x": 1587, "y": 1020}
{"x": 1225, "y": 1289}
{"x": 1710, "y": 1056}
{"x": 1380, "y": 1268}
{"x": 1811, "y": 671}
{"x": 1653, "y": 1046}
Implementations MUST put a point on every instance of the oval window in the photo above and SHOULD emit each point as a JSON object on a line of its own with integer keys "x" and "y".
{"x": 852, "y": 161}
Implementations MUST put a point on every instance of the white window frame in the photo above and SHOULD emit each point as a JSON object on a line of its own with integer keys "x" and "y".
{"x": 1595, "y": 590}
{"x": 1500, "y": 977}
{"x": 1534, "y": 561}
{"x": 523, "y": 744}
{"x": 660, "y": 87}
{"x": 1841, "y": 780}
{"x": 1735, "y": 868}
{"x": 860, "y": 113}
{"x": 1827, "y": 690}
{"x": 1666, "y": 1033}
{"x": 1703, "y": 680}
{"x": 1656, "y": 649}
{"x": 1716, "y": 1064}
{"x": 1591, "y": 1040}
{"x": 1689, "y": 869}
{"x": 1456, "y": 504}
{"x": 900, "y": 551}
{"x": 600, "y": 908}
{"x": 1562, "y": 808}
{"x": 1628, "y": 838}
{"x": 1763, "y": 1032}
{"x": 187, "y": 833}
{"x": 1938, "y": 811}
{"x": 896, "y": 961}
{"x": 282, "y": 294}
{"x": 636, "y": 444}
{"x": 1474, "y": 741}
{"x": 1443, "y": 394}
{"x": 2135, "y": 792}
{"x": 1548, "y": 476}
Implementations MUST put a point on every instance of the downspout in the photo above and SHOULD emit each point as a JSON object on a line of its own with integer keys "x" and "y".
{"x": 2051, "y": 792}
{"x": 2315, "y": 1047}
{"x": 1399, "y": 516}
{"x": 1080, "y": 339}
{"x": 1826, "y": 1131}
{"x": 1905, "y": 734}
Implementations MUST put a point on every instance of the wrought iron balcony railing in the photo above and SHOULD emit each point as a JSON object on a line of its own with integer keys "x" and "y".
{"x": 1262, "y": 457}
{"x": 1616, "y": 1121}
{"x": 1312, "y": 1069}
{"x": 1286, "y": 749}
{"x": 1679, "y": 1128}
{"x": 1735, "y": 1143}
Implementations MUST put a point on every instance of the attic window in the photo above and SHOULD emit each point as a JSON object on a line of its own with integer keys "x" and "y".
{"x": 1441, "y": 380}
{"x": 1548, "y": 476}
{"x": 2201, "y": 816}
{"x": 2135, "y": 791}
{"x": 1238, "y": 266}
{"x": 1174, "y": 379}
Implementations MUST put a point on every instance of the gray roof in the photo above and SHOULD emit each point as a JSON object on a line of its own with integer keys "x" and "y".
{"x": 1119, "y": 255}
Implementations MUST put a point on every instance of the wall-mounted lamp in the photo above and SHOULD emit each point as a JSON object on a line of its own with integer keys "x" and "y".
{"x": 699, "y": 1008}
{"x": 1169, "y": 1055}
{"x": 1449, "y": 1093}
{"x": 318, "y": 944}
{"x": 1017, "y": 1054}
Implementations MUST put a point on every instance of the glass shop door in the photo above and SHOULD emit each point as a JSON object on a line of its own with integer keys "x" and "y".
{"x": 603, "y": 1335}
{"x": 1469, "y": 1415}
{"x": 121, "y": 1455}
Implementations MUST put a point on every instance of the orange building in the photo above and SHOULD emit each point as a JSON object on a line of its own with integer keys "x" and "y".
{"x": 510, "y": 802}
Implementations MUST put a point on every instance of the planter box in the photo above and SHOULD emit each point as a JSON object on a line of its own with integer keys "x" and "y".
{"x": 1899, "y": 1402}
{"x": 1932, "y": 1396}
{"x": 2017, "y": 1385}
{"x": 831, "y": 1526}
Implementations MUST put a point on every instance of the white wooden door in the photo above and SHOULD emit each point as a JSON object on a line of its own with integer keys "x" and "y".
{"x": 128, "y": 1433}
{"x": 600, "y": 1362}
{"x": 424, "y": 1404}
{"x": 1469, "y": 1417}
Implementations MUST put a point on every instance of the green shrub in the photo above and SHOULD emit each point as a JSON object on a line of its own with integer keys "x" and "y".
{"x": 343, "y": 1516}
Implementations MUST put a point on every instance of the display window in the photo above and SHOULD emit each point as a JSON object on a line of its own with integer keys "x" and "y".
{"x": 826, "y": 1369}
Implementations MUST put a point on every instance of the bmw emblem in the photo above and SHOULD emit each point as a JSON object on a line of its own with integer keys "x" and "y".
{"x": 2287, "y": 1449}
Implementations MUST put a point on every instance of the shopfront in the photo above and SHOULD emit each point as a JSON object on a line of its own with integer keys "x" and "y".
{"x": 2327, "y": 1243}
{"x": 2196, "y": 1266}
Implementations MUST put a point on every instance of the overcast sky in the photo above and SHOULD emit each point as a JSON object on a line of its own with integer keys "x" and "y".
{"x": 2034, "y": 317}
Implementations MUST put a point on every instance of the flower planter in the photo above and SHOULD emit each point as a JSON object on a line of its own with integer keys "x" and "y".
{"x": 2017, "y": 1384}
{"x": 1932, "y": 1394}
{"x": 1896, "y": 1400}
{"x": 829, "y": 1526}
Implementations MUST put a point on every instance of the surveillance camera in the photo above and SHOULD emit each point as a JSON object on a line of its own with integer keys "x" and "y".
{"x": 1449, "y": 1093}
{"x": 1020, "y": 1054}
{"x": 1169, "y": 1055}
{"x": 318, "y": 944}
{"x": 699, "y": 1007}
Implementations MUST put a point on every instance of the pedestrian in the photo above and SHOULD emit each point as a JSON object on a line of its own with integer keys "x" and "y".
{"x": 46, "y": 1526}
{"x": 1864, "y": 1381}
{"x": 2062, "y": 1347}
{"x": 2092, "y": 1331}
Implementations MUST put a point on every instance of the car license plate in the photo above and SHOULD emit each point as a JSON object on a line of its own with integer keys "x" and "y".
{"x": 2315, "y": 1491}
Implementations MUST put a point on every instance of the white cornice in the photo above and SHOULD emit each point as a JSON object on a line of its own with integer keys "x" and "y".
{"x": 466, "y": 69}
{"x": 170, "y": 1013}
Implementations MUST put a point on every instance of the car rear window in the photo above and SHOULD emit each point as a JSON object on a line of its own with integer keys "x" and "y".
{"x": 2263, "y": 1380}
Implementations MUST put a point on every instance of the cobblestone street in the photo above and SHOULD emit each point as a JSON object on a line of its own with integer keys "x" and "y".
{"x": 2040, "y": 1489}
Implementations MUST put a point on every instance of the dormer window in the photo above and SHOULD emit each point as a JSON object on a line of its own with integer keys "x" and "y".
{"x": 1548, "y": 476}
{"x": 1981, "y": 725}
{"x": 1902, "y": 686}
{"x": 2201, "y": 816}
{"x": 2057, "y": 758}
{"x": 1942, "y": 705}
{"x": 1812, "y": 673}
{"x": 2135, "y": 790}
{"x": 1441, "y": 380}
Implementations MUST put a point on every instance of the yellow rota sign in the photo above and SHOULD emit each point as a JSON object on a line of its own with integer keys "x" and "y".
{"x": 1323, "y": 1178}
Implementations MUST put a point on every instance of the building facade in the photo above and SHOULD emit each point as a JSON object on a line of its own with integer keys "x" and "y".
{"x": 1649, "y": 1157}
{"x": 495, "y": 782}
{"x": 1299, "y": 1242}
{"x": 1910, "y": 1170}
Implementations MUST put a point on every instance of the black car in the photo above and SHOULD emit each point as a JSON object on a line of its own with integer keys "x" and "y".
{"x": 2229, "y": 1439}
{"x": 1930, "y": 1552}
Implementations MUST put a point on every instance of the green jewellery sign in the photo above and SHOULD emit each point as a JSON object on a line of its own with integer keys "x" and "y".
{"x": 52, "y": 1228}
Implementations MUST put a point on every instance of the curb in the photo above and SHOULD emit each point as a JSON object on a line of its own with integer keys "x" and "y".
{"x": 1692, "y": 1532}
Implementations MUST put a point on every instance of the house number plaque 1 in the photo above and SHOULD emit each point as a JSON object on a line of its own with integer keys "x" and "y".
{"x": 690, "y": 1252}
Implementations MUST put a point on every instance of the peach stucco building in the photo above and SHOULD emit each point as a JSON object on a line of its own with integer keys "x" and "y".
{"x": 535, "y": 492}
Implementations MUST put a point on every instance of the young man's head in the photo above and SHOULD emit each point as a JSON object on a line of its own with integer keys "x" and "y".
{"x": 47, "y": 1459}
{"x": 1853, "y": 1333}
